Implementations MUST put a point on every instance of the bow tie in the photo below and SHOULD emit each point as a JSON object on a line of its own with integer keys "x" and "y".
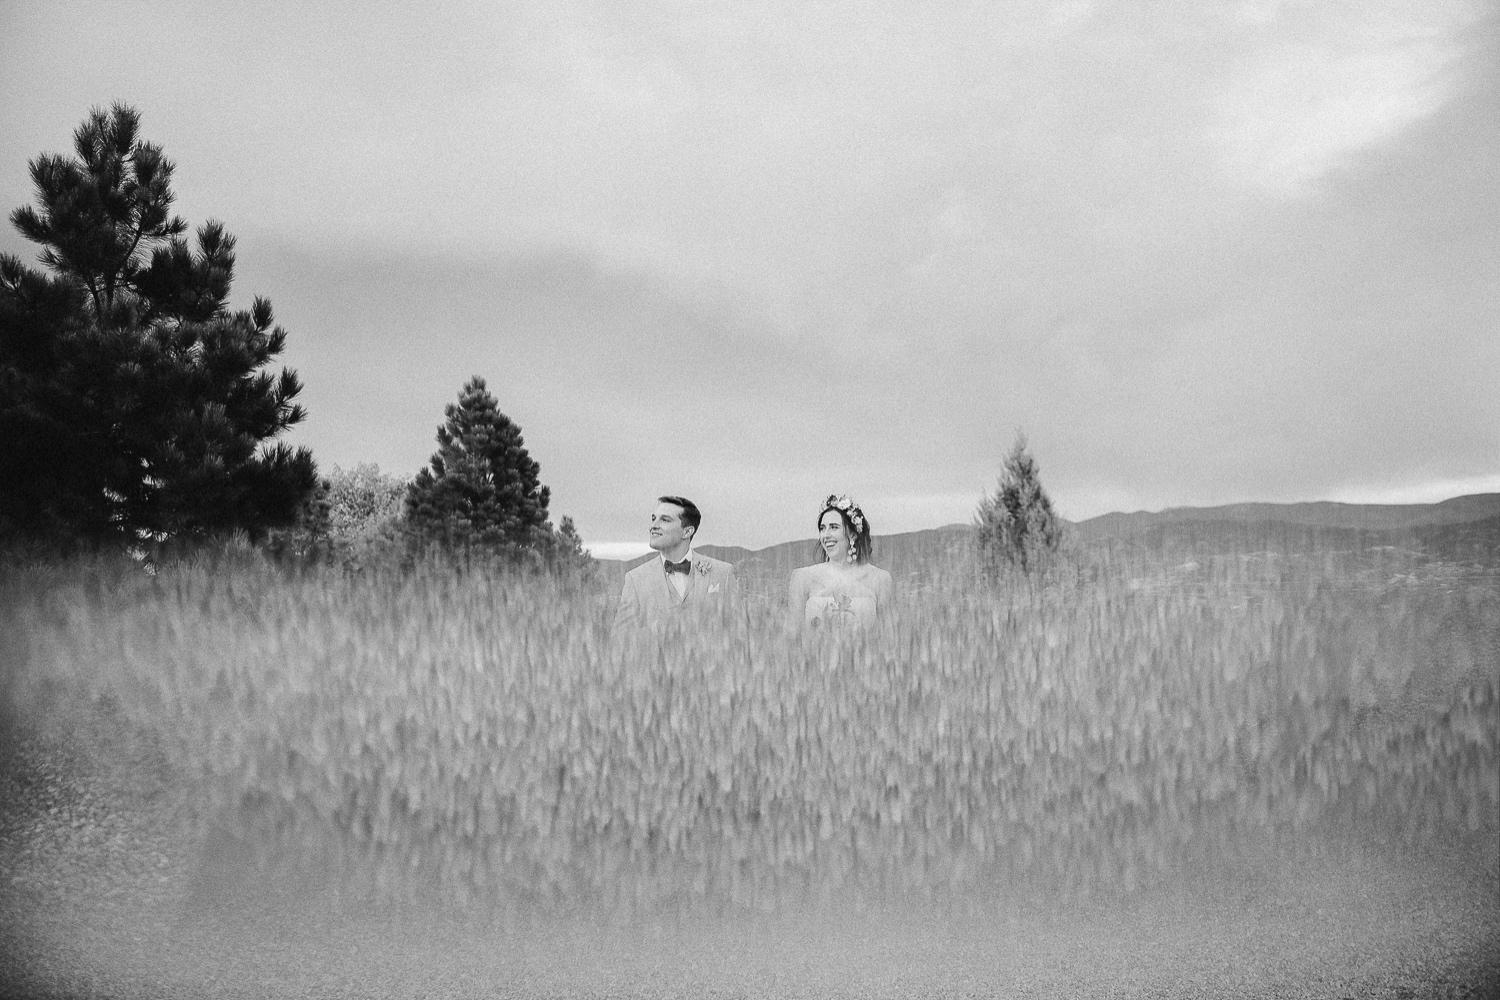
{"x": 686, "y": 566}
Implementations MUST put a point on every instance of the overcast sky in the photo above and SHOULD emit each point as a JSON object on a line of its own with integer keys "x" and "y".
{"x": 756, "y": 253}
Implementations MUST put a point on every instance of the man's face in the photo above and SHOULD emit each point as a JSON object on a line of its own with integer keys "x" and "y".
{"x": 667, "y": 532}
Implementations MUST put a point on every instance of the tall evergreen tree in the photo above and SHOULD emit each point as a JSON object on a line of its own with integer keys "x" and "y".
{"x": 137, "y": 403}
{"x": 1016, "y": 526}
{"x": 481, "y": 488}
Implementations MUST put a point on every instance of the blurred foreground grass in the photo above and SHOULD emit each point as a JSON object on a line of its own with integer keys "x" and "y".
{"x": 476, "y": 740}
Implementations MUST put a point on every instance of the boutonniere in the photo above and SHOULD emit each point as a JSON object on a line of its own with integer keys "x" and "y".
{"x": 702, "y": 568}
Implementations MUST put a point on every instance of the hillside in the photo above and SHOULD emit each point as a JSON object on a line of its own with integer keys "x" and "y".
{"x": 1322, "y": 514}
{"x": 1465, "y": 529}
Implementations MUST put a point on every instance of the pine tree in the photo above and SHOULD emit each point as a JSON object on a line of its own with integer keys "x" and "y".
{"x": 1016, "y": 527}
{"x": 568, "y": 547}
{"x": 480, "y": 490}
{"x": 567, "y": 531}
{"x": 137, "y": 402}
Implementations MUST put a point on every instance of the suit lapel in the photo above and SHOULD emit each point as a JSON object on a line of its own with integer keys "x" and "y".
{"x": 696, "y": 571}
{"x": 664, "y": 580}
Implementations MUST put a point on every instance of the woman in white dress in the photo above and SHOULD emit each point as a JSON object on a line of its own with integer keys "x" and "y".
{"x": 845, "y": 591}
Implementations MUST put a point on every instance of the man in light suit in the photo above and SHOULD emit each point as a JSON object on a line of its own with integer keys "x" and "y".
{"x": 680, "y": 582}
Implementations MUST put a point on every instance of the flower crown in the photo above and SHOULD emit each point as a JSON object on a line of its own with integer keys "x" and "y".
{"x": 841, "y": 502}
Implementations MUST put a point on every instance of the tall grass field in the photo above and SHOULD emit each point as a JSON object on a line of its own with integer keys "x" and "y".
{"x": 458, "y": 741}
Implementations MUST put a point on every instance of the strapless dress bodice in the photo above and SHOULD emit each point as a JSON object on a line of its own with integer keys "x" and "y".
{"x": 842, "y": 609}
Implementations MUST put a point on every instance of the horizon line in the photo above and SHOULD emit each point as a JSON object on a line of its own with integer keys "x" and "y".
{"x": 618, "y": 551}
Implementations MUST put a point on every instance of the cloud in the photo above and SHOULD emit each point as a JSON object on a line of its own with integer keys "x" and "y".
{"x": 1431, "y": 491}
{"x": 1316, "y": 88}
{"x": 616, "y": 550}
{"x": 1201, "y": 253}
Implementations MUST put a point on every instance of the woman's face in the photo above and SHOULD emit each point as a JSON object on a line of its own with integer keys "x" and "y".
{"x": 833, "y": 536}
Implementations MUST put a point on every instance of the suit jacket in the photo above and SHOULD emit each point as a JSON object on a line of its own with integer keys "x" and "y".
{"x": 648, "y": 600}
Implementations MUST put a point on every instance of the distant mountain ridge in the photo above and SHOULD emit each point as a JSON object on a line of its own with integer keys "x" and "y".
{"x": 1464, "y": 529}
{"x": 1319, "y": 514}
{"x": 894, "y": 550}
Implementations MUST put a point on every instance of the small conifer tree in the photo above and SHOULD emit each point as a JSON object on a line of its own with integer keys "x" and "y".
{"x": 1016, "y": 526}
{"x": 480, "y": 490}
{"x": 567, "y": 552}
{"x": 569, "y": 543}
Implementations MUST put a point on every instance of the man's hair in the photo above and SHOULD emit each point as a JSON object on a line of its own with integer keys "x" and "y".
{"x": 691, "y": 518}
